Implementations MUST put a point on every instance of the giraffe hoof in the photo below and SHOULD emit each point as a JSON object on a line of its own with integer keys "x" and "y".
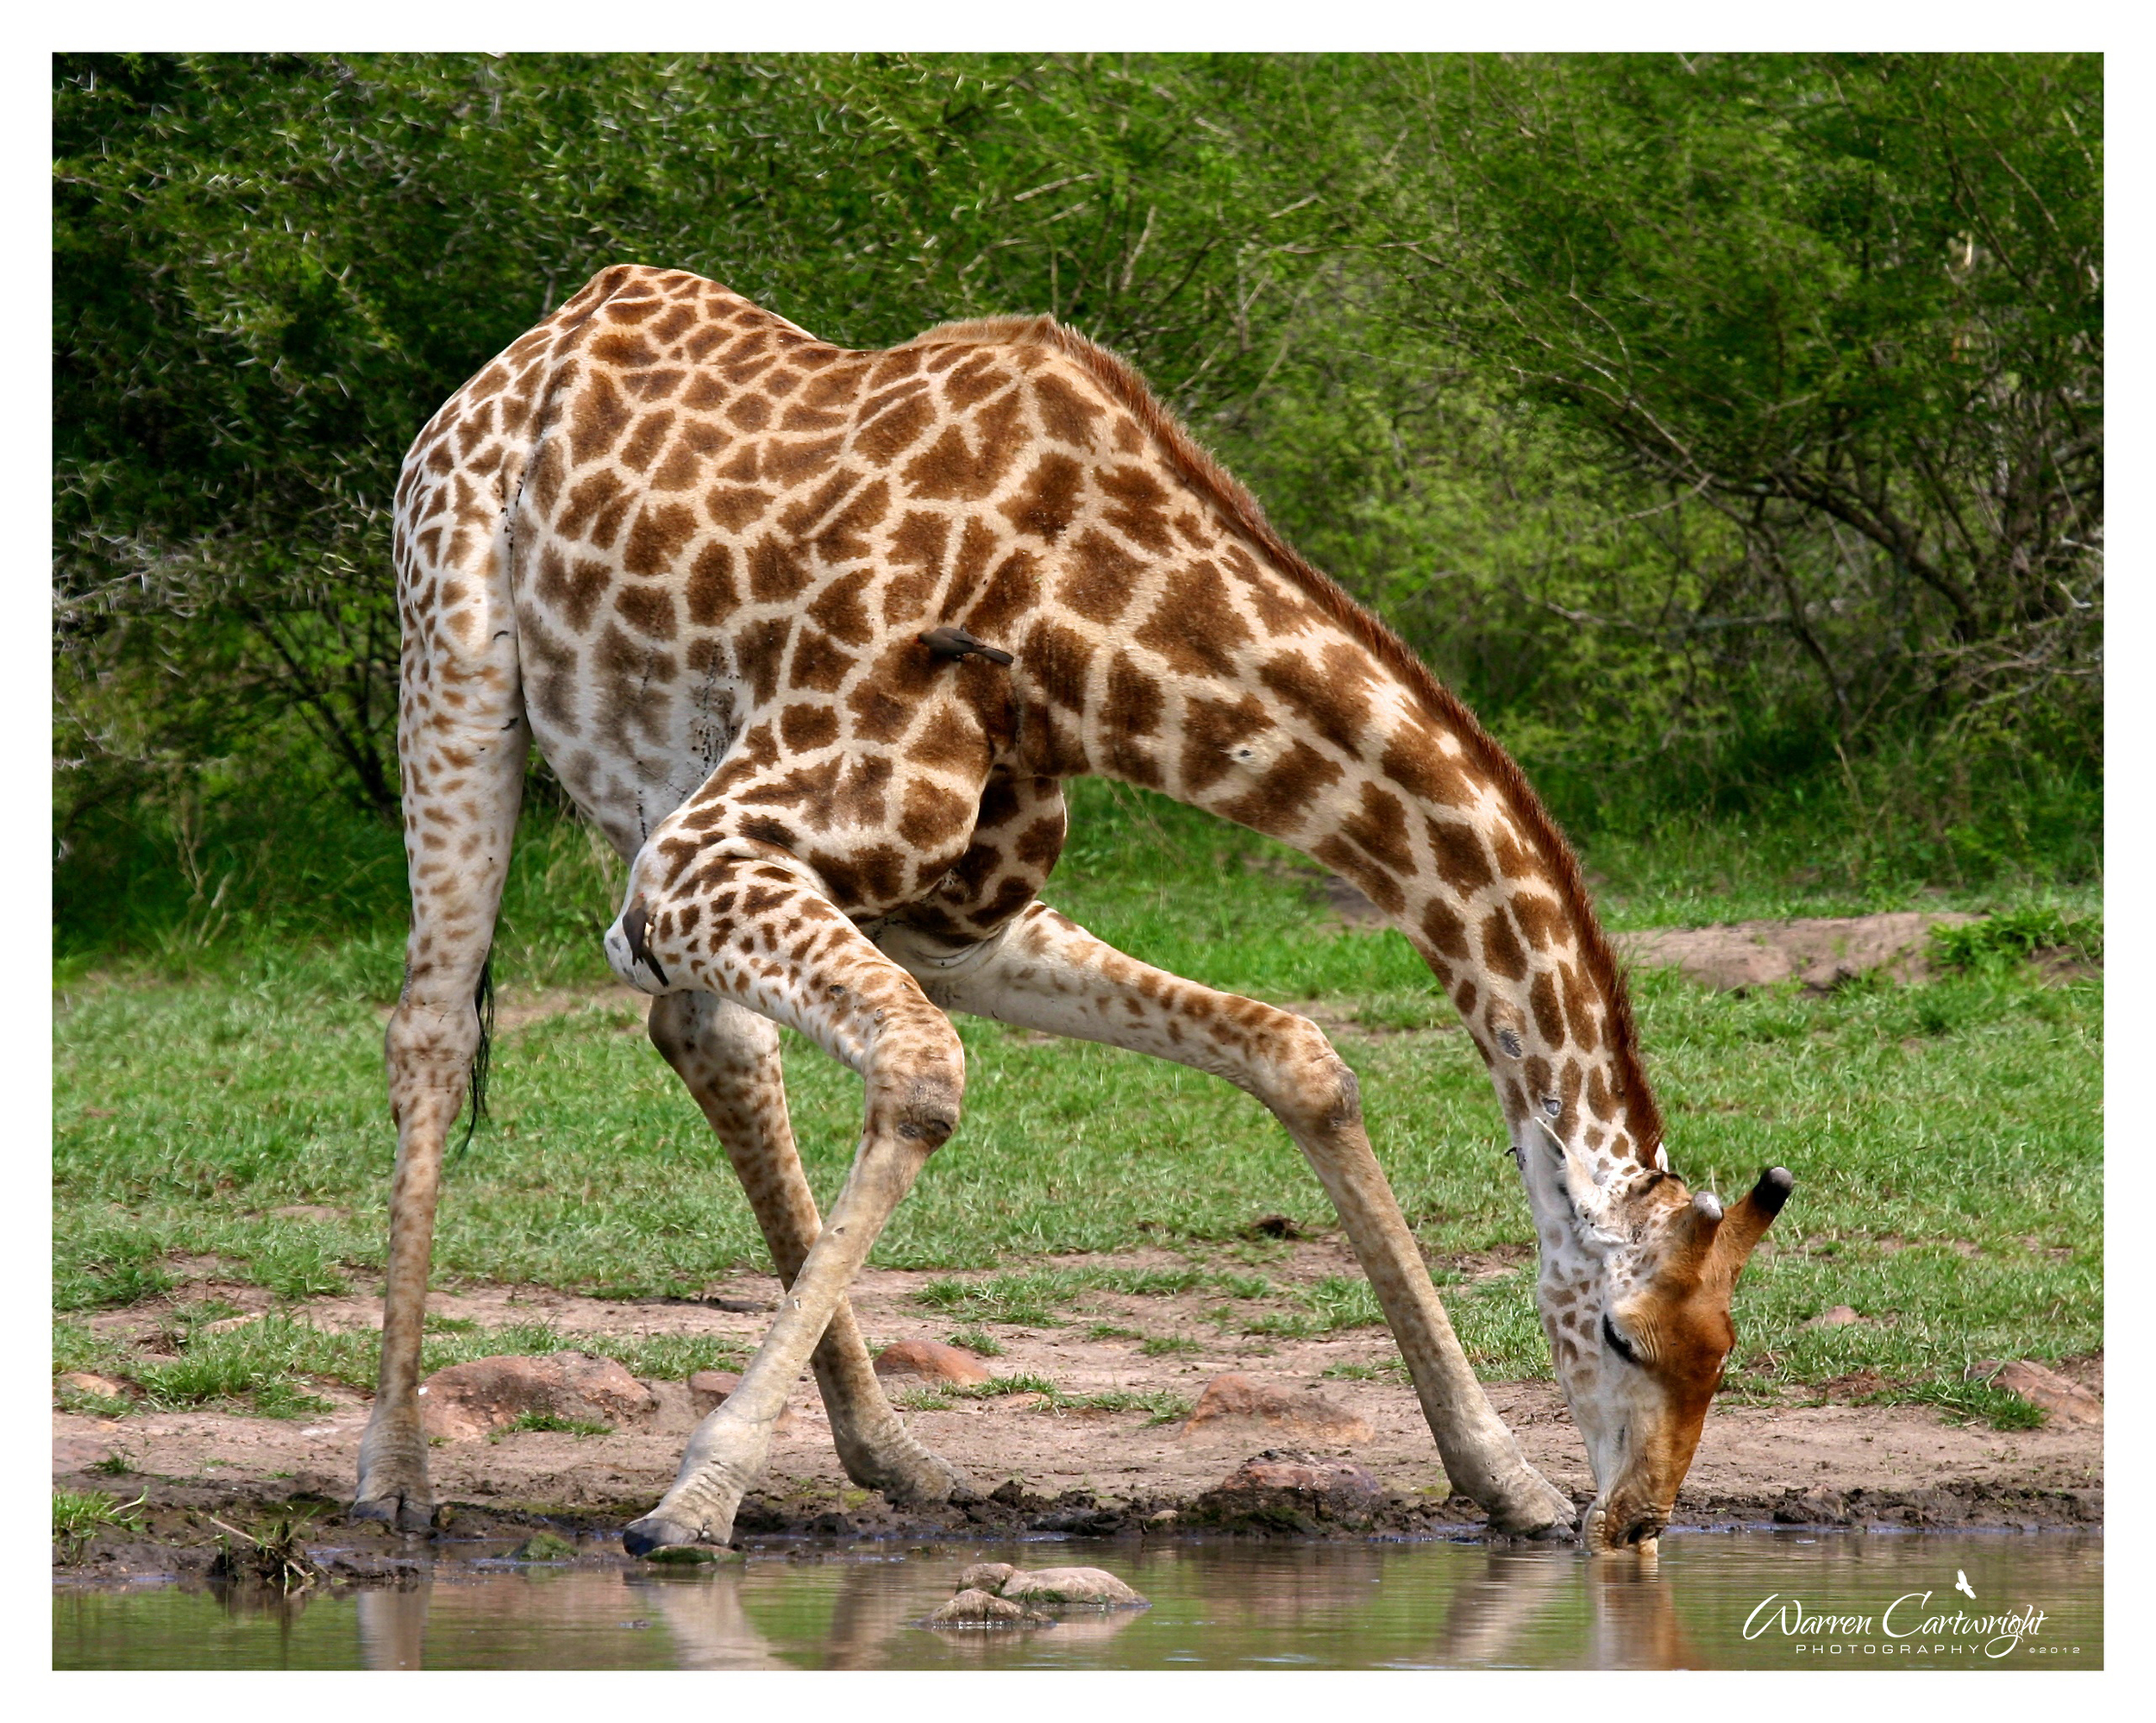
{"x": 642, "y": 1537}
{"x": 404, "y": 1513}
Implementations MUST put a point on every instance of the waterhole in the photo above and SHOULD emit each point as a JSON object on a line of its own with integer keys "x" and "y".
{"x": 1745, "y": 1599}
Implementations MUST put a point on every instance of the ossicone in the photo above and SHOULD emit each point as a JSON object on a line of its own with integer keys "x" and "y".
{"x": 1748, "y": 1221}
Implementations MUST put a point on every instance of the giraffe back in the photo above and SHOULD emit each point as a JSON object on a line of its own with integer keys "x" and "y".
{"x": 723, "y": 538}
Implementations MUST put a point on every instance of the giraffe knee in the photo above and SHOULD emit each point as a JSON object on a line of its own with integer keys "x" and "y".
{"x": 425, "y": 1032}
{"x": 919, "y": 1090}
{"x": 1317, "y": 1087}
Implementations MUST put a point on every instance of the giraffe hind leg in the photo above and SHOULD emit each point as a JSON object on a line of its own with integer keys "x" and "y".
{"x": 461, "y": 742}
{"x": 729, "y": 1058}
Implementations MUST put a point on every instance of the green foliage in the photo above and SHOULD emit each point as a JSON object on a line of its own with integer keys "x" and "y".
{"x": 978, "y": 1340}
{"x": 1728, "y": 431}
{"x": 2013, "y": 935}
{"x": 1844, "y": 309}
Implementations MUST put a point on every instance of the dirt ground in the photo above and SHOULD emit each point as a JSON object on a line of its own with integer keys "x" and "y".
{"x": 1819, "y": 951}
{"x": 1828, "y": 1463}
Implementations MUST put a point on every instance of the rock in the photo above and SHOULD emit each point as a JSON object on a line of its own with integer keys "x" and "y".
{"x": 1232, "y": 1403}
{"x": 708, "y": 1390}
{"x": 81, "y": 1381}
{"x": 932, "y": 1359}
{"x": 972, "y": 1609}
{"x": 1821, "y": 952}
{"x": 2068, "y": 1402}
{"x": 999, "y": 1580}
{"x": 1283, "y": 1491}
{"x": 986, "y": 1576}
{"x": 543, "y": 1547}
{"x": 465, "y": 1402}
{"x": 77, "y": 1453}
{"x": 1839, "y": 1317}
{"x": 227, "y": 1324}
{"x": 1071, "y": 1585}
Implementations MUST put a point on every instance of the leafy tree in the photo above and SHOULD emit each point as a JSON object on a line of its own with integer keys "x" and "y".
{"x": 1850, "y": 304}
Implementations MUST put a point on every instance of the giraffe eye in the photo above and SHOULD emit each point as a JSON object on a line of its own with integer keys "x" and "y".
{"x": 1617, "y": 1342}
{"x": 1552, "y": 1105}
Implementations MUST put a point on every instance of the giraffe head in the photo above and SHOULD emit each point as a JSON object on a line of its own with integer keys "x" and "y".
{"x": 1635, "y": 1299}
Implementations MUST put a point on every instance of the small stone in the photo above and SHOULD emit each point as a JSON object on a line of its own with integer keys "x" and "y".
{"x": 227, "y": 1324}
{"x": 932, "y": 1359}
{"x": 1839, "y": 1317}
{"x": 973, "y": 1609}
{"x": 78, "y": 1453}
{"x": 1281, "y": 1491}
{"x": 1166, "y": 1516}
{"x": 468, "y": 1401}
{"x": 1233, "y": 1402}
{"x": 81, "y": 1381}
{"x": 543, "y": 1547}
{"x": 710, "y": 1389}
{"x": 1071, "y": 1585}
{"x": 2065, "y": 1402}
{"x": 986, "y": 1576}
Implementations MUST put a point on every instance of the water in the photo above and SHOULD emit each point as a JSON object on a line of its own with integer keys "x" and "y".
{"x": 1705, "y": 1605}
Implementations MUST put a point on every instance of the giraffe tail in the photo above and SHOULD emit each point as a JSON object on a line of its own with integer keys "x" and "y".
{"x": 482, "y": 1056}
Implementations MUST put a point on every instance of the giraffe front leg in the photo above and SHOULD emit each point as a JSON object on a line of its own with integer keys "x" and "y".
{"x": 760, "y": 934}
{"x": 1046, "y": 972}
{"x": 729, "y": 1058}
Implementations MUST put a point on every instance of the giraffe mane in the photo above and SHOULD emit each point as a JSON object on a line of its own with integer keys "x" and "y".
{"x": 1206, "y": 475}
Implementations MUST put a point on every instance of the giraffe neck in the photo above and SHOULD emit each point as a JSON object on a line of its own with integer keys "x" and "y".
{"x": 1374, "y": 772}
{"x": 1442, "y": 835}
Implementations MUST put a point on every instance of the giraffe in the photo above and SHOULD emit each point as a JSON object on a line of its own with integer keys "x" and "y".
{"x": 813, "y": 637}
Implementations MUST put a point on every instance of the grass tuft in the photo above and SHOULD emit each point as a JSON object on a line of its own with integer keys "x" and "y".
{"x": 549, "y": 1423}
{"x": 79, "y": 1515}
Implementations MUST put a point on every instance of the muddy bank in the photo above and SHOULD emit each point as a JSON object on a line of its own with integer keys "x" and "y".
{"x": 183, "y": 1526}
{"x": 1042, "y": 1468}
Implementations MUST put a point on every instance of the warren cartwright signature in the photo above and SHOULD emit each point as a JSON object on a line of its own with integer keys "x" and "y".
{"x": 1909, "y": 1617}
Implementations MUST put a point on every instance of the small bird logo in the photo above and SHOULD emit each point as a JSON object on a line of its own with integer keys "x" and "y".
{"x": 1962, "y": 1585}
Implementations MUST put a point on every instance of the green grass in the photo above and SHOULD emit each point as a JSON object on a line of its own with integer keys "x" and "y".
{"x": 269, "y": 1368}
{"x": 1944, "y": 1136}
{"x": 79, "y": 1515}
{"x": 547, "y": 1421}
{"x": 1160, "y": 1406}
